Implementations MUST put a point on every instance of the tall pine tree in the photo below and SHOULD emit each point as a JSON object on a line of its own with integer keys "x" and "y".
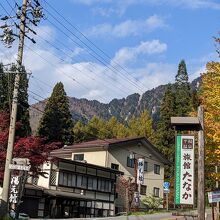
{"x": 7, "y": 79}
{"x": 165, "y": 138}
{"x": 183, "y": 94}
{"x": 56, "y": 123}
{"x": 165, "y": 133}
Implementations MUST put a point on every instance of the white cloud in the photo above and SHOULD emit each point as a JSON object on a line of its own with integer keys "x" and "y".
{"x": 195, "y": 4}
{"x": 128, "y": 27}
{"x": 92, "y": 80}
{"x": 119, "y": 7}
{"x": 84, "y": 79}
{"x": 127, "y": 54}
{"x": 155, "y": 74}
{"x": 90, "y": 2}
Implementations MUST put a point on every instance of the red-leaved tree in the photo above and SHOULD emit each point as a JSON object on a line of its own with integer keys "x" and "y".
{"x": 36, "y": 149}
{"x": 125, "y": 187}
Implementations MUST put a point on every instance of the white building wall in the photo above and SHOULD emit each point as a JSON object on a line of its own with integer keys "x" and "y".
{"x": 42, "y": 181}
{"x": 94, "y": 157}
{"x": 119, "y": 156}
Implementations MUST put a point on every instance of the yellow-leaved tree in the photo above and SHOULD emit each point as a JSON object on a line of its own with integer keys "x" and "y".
{"x": 210, "y": 99}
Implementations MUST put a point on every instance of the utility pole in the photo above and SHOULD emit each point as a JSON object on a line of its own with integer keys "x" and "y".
{"x": 13, "y": 117}
{"x": 201, "y": 166}
{"x": 8, "y": 39}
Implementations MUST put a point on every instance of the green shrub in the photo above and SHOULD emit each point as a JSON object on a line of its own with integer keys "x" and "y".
{"x": 152, "y": 202}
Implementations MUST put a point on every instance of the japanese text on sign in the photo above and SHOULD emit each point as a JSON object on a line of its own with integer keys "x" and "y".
{"x": 140, "y": 171}
{"x": 14, "y": 189}
{"x": 185, "y": 169}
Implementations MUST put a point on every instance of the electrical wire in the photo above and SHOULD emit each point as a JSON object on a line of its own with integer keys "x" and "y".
{"x": 107, "y": 67}
{"x": 65, "y": 74}
{"x": 82, "y": 34}
{"x": 113, "y": 87}
{"x": 62, "y": 72}
{"x": 75, "y": 68}
{"x": 96, "y": 56}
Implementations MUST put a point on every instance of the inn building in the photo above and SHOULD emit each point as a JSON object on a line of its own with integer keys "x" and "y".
{"x": 115, "y": 154}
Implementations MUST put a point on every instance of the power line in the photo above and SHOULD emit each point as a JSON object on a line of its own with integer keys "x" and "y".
{"x": 96, "y": 56}
{"x": 36, "y": 94}
{"x": 98, "y": 59}
{"x": 73, "y": 79}
{"x": 71, "y": 58}
{"x": 113, "y": 86}
{"x": 77, "y": 29}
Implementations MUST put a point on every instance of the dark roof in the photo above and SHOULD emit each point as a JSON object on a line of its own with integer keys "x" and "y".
{"x": 106, "y": 144}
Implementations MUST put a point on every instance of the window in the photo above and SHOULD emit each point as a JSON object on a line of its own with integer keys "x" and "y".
{"x": 130, "y": 162}
{"x": 143, "y": 190}
{"x": 67, "y": 179}
{"x": 145, "y": 166}
{"x": 79, "y": 181}
{"x": 114, "y": 166}
{"x": 78, "y": 156}
{"x": 90, "y": 182}
{"x": 156, "y": 192}
{"x": 84, "y": 182}
{"x": 101, "y": 185}
{"x": 156, "y": 169}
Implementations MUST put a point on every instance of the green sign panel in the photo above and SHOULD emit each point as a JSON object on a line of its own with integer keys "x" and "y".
{"x": 184, "y": 172}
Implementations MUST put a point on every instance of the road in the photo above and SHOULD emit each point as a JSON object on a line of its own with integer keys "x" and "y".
{"x": 157, "y": 216}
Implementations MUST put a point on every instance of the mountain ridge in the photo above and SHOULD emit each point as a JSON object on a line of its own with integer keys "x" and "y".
{"x": 123, "y": 109}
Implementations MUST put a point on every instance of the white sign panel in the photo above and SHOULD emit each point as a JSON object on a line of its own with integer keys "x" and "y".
{"x": 140, "y": 171}
{"x": 19, "y": 167}
{"x": 184, "y": 193}
{"x": 214, "y": 196}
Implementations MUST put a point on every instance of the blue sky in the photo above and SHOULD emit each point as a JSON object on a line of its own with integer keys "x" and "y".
{"x": 142, "y": 40}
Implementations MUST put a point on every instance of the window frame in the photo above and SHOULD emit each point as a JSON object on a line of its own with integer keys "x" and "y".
{"x": 141, "y": 189}
{"x": 156, "y": 192}
{"x": 145, "y": 166}
{"x": 156, "y": 169}
{"x": 130, "y": 162}
{"x": 116, "y": 165}
{"x": 75, "y": 155}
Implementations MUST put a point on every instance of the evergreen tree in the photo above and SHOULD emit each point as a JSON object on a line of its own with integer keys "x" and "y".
{"x": 165, "y": 133}
{"x": 183, "y": 94}
{"x": 7, "y": 80}
{"x": 56, "y": 123}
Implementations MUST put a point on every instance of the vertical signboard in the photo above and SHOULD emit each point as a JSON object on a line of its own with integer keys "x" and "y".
{"x": 14, "y": 189}
{"x": 184, "y": 184}
{"x": 140, "y": 171}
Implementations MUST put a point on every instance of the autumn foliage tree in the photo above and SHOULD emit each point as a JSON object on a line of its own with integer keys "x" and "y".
{"x": 210, "y": 99}
{"x": 34, "y": 148}
{"x": 125, "y": 187}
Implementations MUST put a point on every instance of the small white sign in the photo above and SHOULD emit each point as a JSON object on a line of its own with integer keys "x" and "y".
{"x": 214, "y": 196}
{"x": 140, "y": 171}
{"x": 19, "y": 167}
